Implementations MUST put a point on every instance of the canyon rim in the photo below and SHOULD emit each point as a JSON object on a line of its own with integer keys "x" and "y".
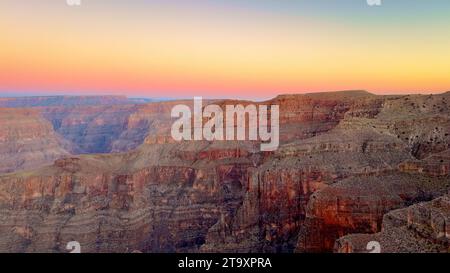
{"x": 347, "y": 161}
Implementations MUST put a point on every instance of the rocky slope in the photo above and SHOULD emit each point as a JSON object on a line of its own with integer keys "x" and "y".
{"x": 358, "y": 204}
{"x": 27, "y": 140}
{"x": 421, "y": 228}
{"x": 422, "y": 121}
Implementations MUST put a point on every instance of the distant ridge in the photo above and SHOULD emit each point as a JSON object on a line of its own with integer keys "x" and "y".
{"x": 46, "y": 101}
{"x": 342, "y": 94}
{"x": 346, "y": 94}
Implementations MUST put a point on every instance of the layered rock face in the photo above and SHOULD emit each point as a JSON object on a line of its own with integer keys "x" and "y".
{"x": 27, "y": 140}
{"x": 151, "y": 120}
{"x": 345, "y": 162}
{"x": 305, "y": 116}
{"x": 112, "y": 128}
{"x": 33, "y": 137}
{"x": 421, "y": 228}
{"x": 275, "y": 206}
{"x": 434, "y": 165}
{"x": 84, "y": 129}
{"x": 159, "y": 198}
{"x": 358, "y": 204}
{"x": 90, "y": 123}
{"x": 273, "y": 210}
{"x": 91, "y": 129}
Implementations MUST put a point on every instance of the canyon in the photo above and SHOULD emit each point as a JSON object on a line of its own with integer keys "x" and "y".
{"x": 352, "y": 167}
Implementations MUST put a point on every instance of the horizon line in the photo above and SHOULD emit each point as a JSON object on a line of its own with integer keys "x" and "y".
{"x": 8, "y": 95}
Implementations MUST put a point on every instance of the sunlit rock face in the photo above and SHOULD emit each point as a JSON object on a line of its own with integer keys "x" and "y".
{"x": 420, "y": 228}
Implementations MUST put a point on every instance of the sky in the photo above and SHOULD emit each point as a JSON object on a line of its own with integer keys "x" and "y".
{"x": 229, "y": 48}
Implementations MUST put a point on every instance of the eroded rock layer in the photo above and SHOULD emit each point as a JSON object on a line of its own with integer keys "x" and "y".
{"x": 421, "y": 228}
{"x": 148, "y": 200}
{"x": 91, "y": 129}
{"x": 345, "y": 162}
{"x": 27, "y": 140}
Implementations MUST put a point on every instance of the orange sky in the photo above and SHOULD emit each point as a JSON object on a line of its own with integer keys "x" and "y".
{"x": 172, "y": 49}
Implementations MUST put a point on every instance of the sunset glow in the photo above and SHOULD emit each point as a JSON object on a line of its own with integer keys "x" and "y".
{"x": 252, "y": 48}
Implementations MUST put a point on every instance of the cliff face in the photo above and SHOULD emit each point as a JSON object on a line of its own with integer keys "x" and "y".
{"x": 355, "y": 168}
{"x": 27, "y": 140}
{"x": 306, "y": 116}
{"x": 149, "y": 120}
{"x": 91, "y": 129}
{"x": 112, "y": 128}
{"x": 346, "y": 160}
{"x": 275, "y": 206}
{"x": 358, "y": 204}
{"x": 151, "y": 200}
{"x": 421, "y": 228}
{"x": 81, "y": 129}
{"x": 92, "y": 124}
{"x": 434, "y": 165}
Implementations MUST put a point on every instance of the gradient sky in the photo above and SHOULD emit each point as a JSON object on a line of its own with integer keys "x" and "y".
{"x": 229, "y": 48}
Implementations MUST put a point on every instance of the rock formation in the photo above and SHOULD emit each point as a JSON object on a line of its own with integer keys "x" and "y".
{"x": 27, "y": 140}
{"x": 157, "y": 198}
{"x": 91, "y": 129}
{"x": 420, "y": 228}
{"x": 346, "y": 163}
